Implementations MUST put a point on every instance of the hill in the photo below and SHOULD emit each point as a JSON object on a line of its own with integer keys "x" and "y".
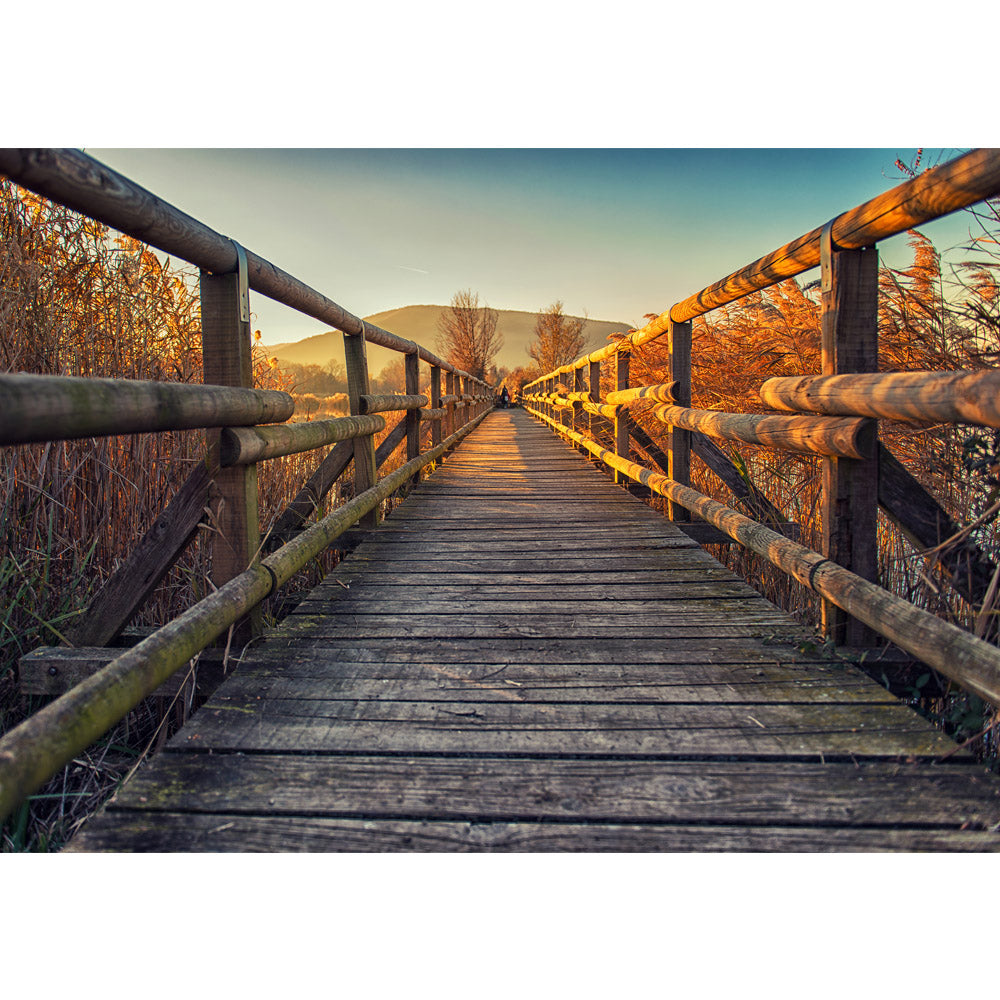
{"x": 419, "y": 323}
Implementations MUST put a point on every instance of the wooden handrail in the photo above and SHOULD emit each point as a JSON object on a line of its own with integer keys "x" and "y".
{"x": 248, "y": 445}
{"x": 61, "y": 407}
{"x": 928, "y": 397}
{"x": 846, "y": 437}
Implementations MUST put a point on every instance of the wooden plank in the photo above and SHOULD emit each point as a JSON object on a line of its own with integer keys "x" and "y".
{"x": 233, "y": 832}
{"x": 296, "y": 639}
{"x": 51, "y": 671}
{"x": 753, "y": 793}
{"x": 830, "y": 732}
{"x": 539, "y": 684}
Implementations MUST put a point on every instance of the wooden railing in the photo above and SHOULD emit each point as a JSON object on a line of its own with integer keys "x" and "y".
{"x": 245, "y": 426}
{"x": 833, "y": 414}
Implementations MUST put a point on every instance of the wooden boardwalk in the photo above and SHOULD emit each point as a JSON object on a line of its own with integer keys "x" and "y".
{"x": 525, "y": 657}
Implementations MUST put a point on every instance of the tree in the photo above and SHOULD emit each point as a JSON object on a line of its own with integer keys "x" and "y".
{"x": 467, "y": 334}
{"x": 558, "y": 338}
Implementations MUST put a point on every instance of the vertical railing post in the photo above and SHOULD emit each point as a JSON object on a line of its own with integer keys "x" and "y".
{"x": 449, "y": 390}
{"x": 411, "y": 363}
{"x": 577, "y": 419}
{"x": 227, "y": 359}
{"x": 595, "y": 397}
{"x": 679, "y": 454}
{"x": 849, "y": 321}
{"x": 435, "y": 404}
{"x": 356, "y": 361}
{"x": 623, "y": 448}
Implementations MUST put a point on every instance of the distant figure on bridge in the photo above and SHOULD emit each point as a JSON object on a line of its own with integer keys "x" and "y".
{"x": 504, "y": 398}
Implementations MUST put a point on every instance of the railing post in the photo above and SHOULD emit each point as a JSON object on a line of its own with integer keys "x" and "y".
{"x": 849, "y": 321}
{"x": 449, "y": 390}
{"x": 578, "y": 386}
{"x": 435, "y": 404}
{"x": 623, "y": 448}
{"x": 227, "y": 360}
{"x": 595, "y": 397}
{"x": 356, "y": 362}
{"x": 411, "y": 364}
{"x": 679, "y": 454}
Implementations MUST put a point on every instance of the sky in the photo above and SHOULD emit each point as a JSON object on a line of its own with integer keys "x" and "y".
{"x": 612, "y": 233}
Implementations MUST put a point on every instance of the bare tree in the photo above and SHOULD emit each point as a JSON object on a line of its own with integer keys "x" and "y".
{"x": 467, "y": 334}
{"x": 558, "y": 338}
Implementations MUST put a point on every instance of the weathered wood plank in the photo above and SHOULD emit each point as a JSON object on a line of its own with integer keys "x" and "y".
{"x": 781, "y": 731}
{"x": 540, "y": 685}
{"x": 233, "y": 832}
{"x": 757, "y": 794}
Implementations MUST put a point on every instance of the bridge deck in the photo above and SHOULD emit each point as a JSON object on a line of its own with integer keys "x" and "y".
{"x": 525, "y": 657}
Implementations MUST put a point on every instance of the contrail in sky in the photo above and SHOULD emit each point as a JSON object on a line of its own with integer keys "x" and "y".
{"x": 417, "y": 269}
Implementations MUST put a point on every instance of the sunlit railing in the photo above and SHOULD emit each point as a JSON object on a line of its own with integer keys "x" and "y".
{"x": 832, "y": 414}
{"x": 246, "y": 426}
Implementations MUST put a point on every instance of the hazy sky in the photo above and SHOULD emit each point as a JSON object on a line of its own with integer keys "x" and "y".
{"x": 615, "y": 233}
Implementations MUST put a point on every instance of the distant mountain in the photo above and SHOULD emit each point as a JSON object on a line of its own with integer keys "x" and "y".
{"x": 420, "y": 323}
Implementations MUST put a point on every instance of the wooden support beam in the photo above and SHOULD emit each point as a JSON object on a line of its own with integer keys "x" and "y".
{"x": 623, "y": 421}
{"x": 52, "y": 670}
{"x": 308, "y": 499}
{"x": 411, "y": 365}
{"x": 449, "y": 400}
{"x": 718, "y": 461}
{"x": 436, "y": 404}
{"x": 579, "y": 423}
{"x": 226, "y": 353}
{"x": 129, "y": 587}
{"x": 356, "y": 356}
{"x": 925, "y": 523}
{"x": 594, "y": 419}
{"x": 849, "y": 319}
{"x": 679, "y": 451}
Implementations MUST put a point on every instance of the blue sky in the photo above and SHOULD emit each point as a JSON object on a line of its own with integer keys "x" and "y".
{"x": 615, "y": 233}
